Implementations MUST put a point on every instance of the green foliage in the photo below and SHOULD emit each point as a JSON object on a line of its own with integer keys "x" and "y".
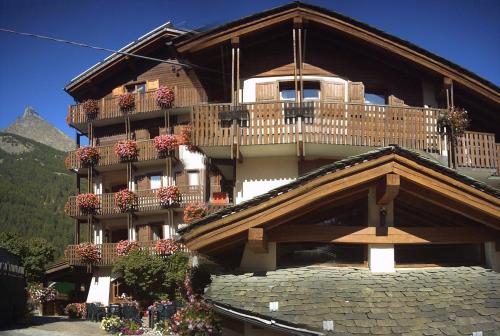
{"x": 200, "y": 278}
{"x": 35, "y": 253}
{"x": 35, "y": 186}
{"x": 151, "y": 276}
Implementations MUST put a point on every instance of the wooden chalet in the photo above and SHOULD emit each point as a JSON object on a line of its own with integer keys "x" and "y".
{"x": 319, "y": 154}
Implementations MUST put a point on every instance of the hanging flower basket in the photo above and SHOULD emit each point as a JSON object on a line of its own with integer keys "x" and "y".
{"x": 124, "y": 247}
{"x": 194, "y": 211}
{"x": 125, "y": 200}
{"x": 89, "y": 253}
{"x": 88, "y": 156}
{"x": 126, "y": 102}
{"x": 169, "y": 196}
{"x": 90, "y": 108}
{"x": 164, "y": 144}
{"x": 127, "y": 150}
{"x": 164, "y": 97}
{"x": 88, "y": 203}
{"x": 455, "y": 120}
{"x": 40, "y": 294}
{"x": 185, "y": 138}
{"x": 166, "y": 246}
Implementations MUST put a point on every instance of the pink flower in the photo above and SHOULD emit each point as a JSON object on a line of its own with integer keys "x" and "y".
{"x": 87, "y": 203}
{"x": 169, "y": 196}
{"x": 164, "y": 96}
{"x": 124, "y": 247}
{"x": 127, "y": 150}
{"x": 166, "y": 246}
{"x": 194, "y": 211}
{"x": 125, "y": 200}
{"x": 89, "y": 253}
{"x": 91, "y": 108}
{"x": 165, "y": 143}
{"x": 88, "y": 156}
{"x": 126, "y": 101}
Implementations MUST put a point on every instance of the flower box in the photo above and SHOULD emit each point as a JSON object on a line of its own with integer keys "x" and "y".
{"x": 88, "y": 156}
{"x": 88, "y": 203}
{"x": 194, "y": 211}
{"x": 90, "y": 108}
{"x": 164, "y": 97}
{"x": 125, "y": 200}
{"x": 169, "y": 196}
{"x": 164, "y": 144}
{"x": 127, "y": 150}
{"x": 124, "y": 247}
{"x": 89, "y": 253}
{"x": 126, "y": 102}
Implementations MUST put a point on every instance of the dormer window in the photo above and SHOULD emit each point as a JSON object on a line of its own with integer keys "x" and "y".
{"x": 136, "y": 88}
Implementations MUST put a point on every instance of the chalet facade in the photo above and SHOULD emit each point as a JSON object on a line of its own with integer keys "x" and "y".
{"x": 315, "y": 143}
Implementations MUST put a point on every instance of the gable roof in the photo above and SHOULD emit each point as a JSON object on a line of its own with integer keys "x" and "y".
{"x": 349, "y": 25}
{"x": 455, "y": 300}
{"x": 394, "y": 158}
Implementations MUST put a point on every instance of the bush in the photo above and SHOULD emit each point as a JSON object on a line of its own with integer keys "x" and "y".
{"x": 197, "y": 318}
{"x": 75, "y": 310}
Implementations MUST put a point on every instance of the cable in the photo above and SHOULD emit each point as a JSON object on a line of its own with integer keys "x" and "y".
{"x": 97, "y": 48}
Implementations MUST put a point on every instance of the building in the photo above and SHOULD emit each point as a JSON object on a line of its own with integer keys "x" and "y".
{"x": 319, "y": 155}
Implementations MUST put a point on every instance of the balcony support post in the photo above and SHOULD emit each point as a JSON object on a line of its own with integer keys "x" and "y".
{"x": 235, "y": 70}
{"x": 77, "y": 232}
{"x": 297, "y": 24}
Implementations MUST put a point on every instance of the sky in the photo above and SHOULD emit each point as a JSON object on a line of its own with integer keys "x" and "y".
{"x": 34, "y": 72}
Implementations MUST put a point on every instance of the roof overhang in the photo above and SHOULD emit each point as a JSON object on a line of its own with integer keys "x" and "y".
{"x": 420, "y": 176}
{"x": 305, "y": 12}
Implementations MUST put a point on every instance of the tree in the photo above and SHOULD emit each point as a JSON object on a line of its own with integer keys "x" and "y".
{"x": 34, "y": 254}
{"x": 151, "y": 277}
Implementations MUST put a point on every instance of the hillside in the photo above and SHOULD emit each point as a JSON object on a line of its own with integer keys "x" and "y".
{"x": 32, "y": 126}
{"x": 35, "y": 185}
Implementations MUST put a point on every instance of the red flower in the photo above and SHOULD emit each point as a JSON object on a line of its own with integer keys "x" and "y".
{"x": 127, "y": 150}
{"x": 125, "y": 200}
{"x": 126, "y": 101}
{"x": 89, "y": 253}
{"x": 87, "y": 203}
{"x": 88, "y": 156}
{"x": 169, "y": 196}
{"x": 166, "y": 246}
{"x": 165, "y": 143}
{"x": 164, "y": 96}
{"x": 125, "y": 246}
{"x": 90, "y": 107}
{"x": 194, "y": 211}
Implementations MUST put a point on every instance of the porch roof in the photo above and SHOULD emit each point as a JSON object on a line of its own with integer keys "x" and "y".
{"x": 452, "y": 300}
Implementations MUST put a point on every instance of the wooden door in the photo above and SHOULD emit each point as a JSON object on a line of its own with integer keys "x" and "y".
{"x": 266, "y": 91}
{"x": 144, "y": 233}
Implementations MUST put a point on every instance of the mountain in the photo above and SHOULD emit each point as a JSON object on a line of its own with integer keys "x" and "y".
{"x": 34, "y": 188}
{"x": 32, "y": 126}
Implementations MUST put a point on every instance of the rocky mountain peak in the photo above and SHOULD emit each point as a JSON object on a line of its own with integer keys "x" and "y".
{"x": 32, "y": 126}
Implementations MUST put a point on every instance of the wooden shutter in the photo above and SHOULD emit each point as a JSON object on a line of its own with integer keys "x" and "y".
{"x": 152, "y": 85}
{"x": 356, "y": 92}
{"x": 141, "y": 134}
{"x": 266, "y": 91}
{"x": 181, "y": 178}
{"x": 395, "y": 101}
{"x": 332, "y": 91}
{"x": 144, "y": 233}
{"x": 118, "y": 91}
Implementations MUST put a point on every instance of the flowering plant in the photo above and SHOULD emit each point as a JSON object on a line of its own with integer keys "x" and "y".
{"x": 164, "y": 96}
{"x": 125, "y": 246}
{"x": 40, "y": 294}
{"x": 88, "y": 156}
{"x": 125, "y": 200}
{"x": 74, "y": 310}
{"x": 89, "y": 253}
{"x": 165, "y": 143}
{"x": 194, "y": 211}
{"x": 166, "y": 246}
{"x": 127, "y": 150}
{"x": 195, "y": 319}
{"x": 90, "y": 107}
{"x": 126, "y": 101}
{"x": 87, "y": 203}
{"x": 169, "y": 196}
{"x": 455, "y": 120}
{"x": 131, "y": 327}
{"x": 112, "y": 324}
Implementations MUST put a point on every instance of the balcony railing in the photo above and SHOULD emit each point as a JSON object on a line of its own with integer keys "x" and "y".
{"x": 107, "y": 155}
{"x": 146, "y": 201}
{"x": 144, "y": 102}
{"x": 478, "y": 150}
{"x": 317, "y": 123}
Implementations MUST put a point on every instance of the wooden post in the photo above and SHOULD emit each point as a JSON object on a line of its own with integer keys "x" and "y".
{"x": 235, "y": 44}
{"x": 297, "y": 24}
{"x": 77, "y": 232}
{"x": 295, "y": 65}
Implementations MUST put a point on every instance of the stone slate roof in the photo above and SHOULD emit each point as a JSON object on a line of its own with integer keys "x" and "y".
{"x": 340, "y": 165}
{"x": 429, "y": 301}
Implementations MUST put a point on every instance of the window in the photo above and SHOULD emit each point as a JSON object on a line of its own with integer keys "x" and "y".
{"x": 193, "y": 178}
{"x": 134, "y": 88}
{"x": 311, "y": 91}
{"x": 155, "y": 181}
{"x": 375, "y": 99}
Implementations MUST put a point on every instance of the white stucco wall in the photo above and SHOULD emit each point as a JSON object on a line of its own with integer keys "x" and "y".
{"x": 190, "y": 160}
{"x": 255, "y": 176}
{"x": 492, "y": 256}
{"x": 249, "y": 84}
{"x": 100, "y": 286}
{"x": 381, "y": 257}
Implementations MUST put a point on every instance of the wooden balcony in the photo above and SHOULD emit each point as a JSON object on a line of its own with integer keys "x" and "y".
{"x": 107, "y": 155}
{"x": 147, "y": 201}
{"x": 108, "y": 253}
{"x": 317, "y": 123}
{"x": 145, "y": 102}
{"x": 478, "y": 150}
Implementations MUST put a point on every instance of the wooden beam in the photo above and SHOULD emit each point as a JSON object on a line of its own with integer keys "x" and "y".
{"x": 387, "y": 192}
{"x": 257, "y": 241}
{"x": 368, "y": 235}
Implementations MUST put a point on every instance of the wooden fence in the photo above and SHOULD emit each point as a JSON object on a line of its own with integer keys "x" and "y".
{"x": 478, "y": 150}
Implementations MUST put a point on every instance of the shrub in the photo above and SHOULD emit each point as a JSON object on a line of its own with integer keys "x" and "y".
{"x": 127, "y": 150}
{"x": 194, "y": 211}
{"x": 89, "y": 253}
{"x": 164, "y": 97}
{"x": 90, "y": 108}
{"x": 75, "y": 310}
{"x": 126, "y": 101}
{"x": 165, "y": 143}
{"x": 88, "y": 156}
{"x": 112, "y": 324}
{"x": 125, "y": 200}
{"x": 169, "y": 196}
{"x": 124, "y": 247}
{"x": 88, "y": 203}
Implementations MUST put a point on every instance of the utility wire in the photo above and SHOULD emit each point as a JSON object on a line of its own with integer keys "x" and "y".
{"x": 98, "y": 48}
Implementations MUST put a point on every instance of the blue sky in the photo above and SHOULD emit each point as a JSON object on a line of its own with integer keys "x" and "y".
{"x": 34, "y": 72}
